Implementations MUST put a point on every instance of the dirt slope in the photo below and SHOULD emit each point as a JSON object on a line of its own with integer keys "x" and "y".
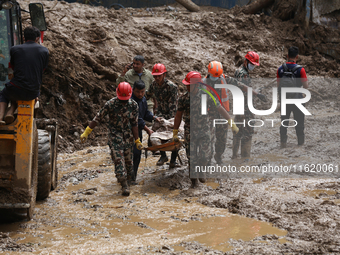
{"x": 90, "y": 45}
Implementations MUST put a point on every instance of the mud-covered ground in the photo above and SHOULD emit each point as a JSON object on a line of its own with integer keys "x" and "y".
{"x": 86, "y": 214}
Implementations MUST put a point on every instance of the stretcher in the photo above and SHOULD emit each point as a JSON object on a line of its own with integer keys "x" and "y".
{"x": 170, "y": 146}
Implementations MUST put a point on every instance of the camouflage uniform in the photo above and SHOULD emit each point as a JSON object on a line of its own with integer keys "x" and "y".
{"x": 220, "y": 131}
{"x": 122, "y": 117}
{"x": 166, "y": 96}
{"x": 131, "y": 76}
{"x": 201, "y": 133}
{"x": 245, "y": 133}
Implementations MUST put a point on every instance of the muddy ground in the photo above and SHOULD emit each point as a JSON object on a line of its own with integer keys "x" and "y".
{"x": 263, "y": 215}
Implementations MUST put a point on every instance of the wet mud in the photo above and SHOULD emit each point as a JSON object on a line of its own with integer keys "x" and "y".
{"x": 86, "y": 214}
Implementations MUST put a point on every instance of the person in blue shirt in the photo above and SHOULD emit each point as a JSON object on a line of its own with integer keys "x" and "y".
{"x": 144, "y": 114}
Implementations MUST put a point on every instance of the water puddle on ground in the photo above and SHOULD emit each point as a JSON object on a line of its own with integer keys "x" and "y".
{"x": 93, "y": 218}
{"x": 319, "y": 193}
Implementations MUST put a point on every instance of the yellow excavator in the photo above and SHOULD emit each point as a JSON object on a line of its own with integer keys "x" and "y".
{"x": 28, "y": 146}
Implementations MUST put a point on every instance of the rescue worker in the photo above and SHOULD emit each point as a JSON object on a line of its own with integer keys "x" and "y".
{"x": 144, "y": 114}
{"x": 28, "y": 61}
{"x": 135, "y": 71}
{"x": 123, "y": 131}
{"x": 165, "y": 93}
{"x": 199, "y": 133}
{"x": 244, "y": 136}
{"x": 301, "y": 81}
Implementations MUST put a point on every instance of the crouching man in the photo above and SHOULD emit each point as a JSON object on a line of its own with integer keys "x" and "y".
{"x": 123, "y": 132}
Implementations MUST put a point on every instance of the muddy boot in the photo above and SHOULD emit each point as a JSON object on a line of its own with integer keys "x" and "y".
{"x": 173, "y": 162}
{"x": 236, "y": 146}
{"x": 194, "y": 183}
{"x": 301, "y": 139}
{"x": 218, "y": 159}
{"x": 283, "y": 142}
{"x": 203, "y": 180}
{"x": 125, "y": 187}
{"x": 245, "y": 149}
{"x": 162, "y": 159}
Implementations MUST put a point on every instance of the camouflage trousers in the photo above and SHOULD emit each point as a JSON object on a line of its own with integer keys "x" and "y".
{"x": 198, "y": 151}
{"x": 244, "y": 136}
{"x": 219, "y": 135}
{"x": 122, "y": 158}
{"x": 246, "y": 132}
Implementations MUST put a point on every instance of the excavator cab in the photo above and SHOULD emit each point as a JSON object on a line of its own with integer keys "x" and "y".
{"x": 28, "y": 146}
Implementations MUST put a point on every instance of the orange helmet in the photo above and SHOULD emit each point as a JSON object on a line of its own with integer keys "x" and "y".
{"x": 215, "y": 68}
{"x": 253, "y": 57}
{"x": 192, "y": 77}
{"x": 124, "y": 91}
{"x": 158, "y": 69}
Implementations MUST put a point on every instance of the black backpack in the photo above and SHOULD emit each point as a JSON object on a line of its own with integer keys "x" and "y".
{"x": 288, "y": 80}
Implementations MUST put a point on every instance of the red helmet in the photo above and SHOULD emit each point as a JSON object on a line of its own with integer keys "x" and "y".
{"x": 192, "y": 77}
{"x": 253, "y": 57}
{"x": 158, "y": 69}
{"x": 215, "y": 68}
{"x": 124, "y": 91}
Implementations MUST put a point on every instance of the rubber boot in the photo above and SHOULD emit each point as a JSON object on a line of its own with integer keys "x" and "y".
{"x": 236, "y": 146}
{"x": 203, "y": 180}
{"x": 164, "y": 158}
{"x": 125, "y": 187}
{"x": 283, "y": 142}
{"x": 194, "y": 183}
{"x": 174, "y": 155}
{"x": 301, "y": 139}
{"x": 246, "y": 148}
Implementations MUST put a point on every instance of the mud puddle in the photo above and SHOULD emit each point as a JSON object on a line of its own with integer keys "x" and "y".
{"x": 91, "y": 217}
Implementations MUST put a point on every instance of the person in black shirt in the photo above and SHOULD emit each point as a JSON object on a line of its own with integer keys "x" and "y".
{"x": 28, "y": 61}
{"x": 144, "y": 114}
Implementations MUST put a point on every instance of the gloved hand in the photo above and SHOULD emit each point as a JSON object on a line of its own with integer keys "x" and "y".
{"x": 233, "y": 126}
{"x": 86, "y": 133}
{"x": 139, "y": 145}
{"x": 175, "y": 135}
{"x": 262, "y": 97}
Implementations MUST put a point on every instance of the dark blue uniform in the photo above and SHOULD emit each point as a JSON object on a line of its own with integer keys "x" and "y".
{"x": 144, "y": 114}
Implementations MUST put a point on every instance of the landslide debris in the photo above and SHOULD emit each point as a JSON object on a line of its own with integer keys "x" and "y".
{"x": 90, "y": 45}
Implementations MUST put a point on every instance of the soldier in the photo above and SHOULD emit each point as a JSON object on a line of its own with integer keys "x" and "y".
{"x": 200, "y": 133}
{"x": 135, "y": 71}
{"x": 214, "y": 77}
{"x": 123, "y": 130}
{"x": 165, "y": 93}
{"x": 246, "y": 132}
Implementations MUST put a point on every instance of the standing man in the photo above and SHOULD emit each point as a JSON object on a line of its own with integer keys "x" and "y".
{"x": 246, "y": 132}
{"x": 144, "y": 114}
{"x": 295, "y": 76}
{"x": 28, "y": 61}
{"x": 123, "y": 131}
{"x": 200, "y": 133}
{"x": 165, "y": 93}
{"x": 216, "y": 76}
{"x": 135, "y": 71}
